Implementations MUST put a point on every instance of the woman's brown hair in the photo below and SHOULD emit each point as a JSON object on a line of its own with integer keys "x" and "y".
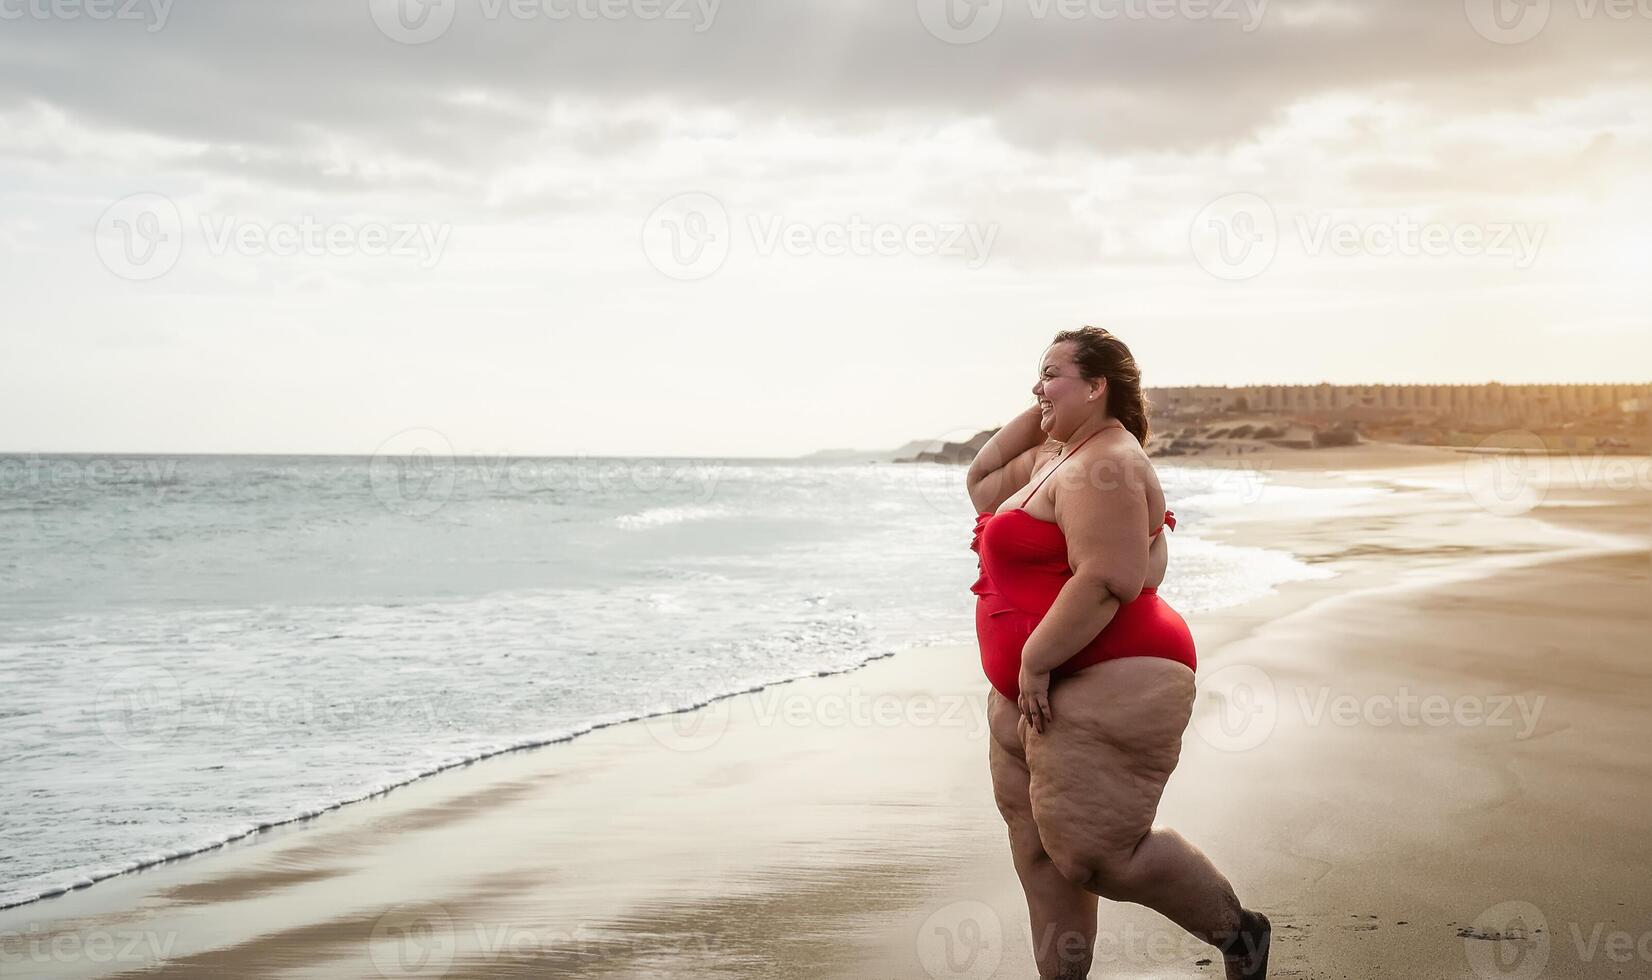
{"x": 1098, "y": 355}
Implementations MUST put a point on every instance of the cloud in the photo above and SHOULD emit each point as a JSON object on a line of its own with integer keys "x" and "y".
{"x": 1085, "y": 137}
{"x": 261, "y": 85}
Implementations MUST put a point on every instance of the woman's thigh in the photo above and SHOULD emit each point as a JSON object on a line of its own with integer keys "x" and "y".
{"x": 1011, "y": 780}
{"x": 1007, "y": 760}
{"x": 1097, "y": 772}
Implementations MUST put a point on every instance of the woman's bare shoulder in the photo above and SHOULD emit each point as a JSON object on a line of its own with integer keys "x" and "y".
{"x": 1117, "y": 461}
{"x": 1120, "y": 449}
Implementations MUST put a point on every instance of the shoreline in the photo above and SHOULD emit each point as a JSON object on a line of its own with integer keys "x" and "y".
{"x": 895, "y": 853}
{"x": 249, "y": 836}
{"x": 1387, "y": 456}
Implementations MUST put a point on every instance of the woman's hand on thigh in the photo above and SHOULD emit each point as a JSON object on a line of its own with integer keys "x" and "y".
{"x": 1034, "y": 700}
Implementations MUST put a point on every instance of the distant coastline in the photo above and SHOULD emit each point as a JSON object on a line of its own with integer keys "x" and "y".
{"x": 1237, "y": 421}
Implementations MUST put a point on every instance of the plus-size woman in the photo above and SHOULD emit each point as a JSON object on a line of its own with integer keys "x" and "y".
{"x": 1092, "y": 672}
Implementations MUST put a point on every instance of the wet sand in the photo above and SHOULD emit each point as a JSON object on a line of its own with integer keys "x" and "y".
{"x": 1431, "y": 765}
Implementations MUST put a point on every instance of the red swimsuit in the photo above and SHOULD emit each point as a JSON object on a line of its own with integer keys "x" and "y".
{"x": 1023, "y": 567}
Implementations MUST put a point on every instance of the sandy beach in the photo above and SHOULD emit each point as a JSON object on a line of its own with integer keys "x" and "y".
{"x": 1428, "y": 765}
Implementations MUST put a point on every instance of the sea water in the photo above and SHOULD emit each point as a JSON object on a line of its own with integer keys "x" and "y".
{"x": 193, "y": 648}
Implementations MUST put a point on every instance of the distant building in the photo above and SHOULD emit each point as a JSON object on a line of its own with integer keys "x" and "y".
{"x": 1488, "y": 404}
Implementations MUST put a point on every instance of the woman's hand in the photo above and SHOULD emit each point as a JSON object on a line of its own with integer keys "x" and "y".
{"x": 1034, "y": 700}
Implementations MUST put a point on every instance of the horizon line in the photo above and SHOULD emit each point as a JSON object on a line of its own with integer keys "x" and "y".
{"x": 1414, "y": 384}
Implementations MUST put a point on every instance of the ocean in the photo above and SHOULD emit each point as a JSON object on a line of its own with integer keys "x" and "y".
{"x": 195, "y": 648}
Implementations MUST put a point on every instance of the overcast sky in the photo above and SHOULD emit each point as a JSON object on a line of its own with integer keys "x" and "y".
{"x": 762, "y": 227}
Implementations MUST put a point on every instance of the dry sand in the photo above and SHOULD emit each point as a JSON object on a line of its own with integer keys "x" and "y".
{"x": 1431, "y": 765}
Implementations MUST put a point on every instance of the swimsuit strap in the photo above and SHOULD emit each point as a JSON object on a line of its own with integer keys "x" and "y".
{"x": 1064, "y": 459}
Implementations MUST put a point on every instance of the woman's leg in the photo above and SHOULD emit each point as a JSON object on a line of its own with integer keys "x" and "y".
{"x": 1063, "y": 914}
{"x": 1096, "y": 776}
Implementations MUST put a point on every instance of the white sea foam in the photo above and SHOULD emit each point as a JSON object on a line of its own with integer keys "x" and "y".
{"x": 662, "y": 516}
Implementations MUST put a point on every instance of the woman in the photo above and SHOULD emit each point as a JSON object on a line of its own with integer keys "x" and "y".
{"x": 1092, "y": 673}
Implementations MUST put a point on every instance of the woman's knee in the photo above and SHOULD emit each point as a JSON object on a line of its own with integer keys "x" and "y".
{"x": 1027, "y": 851}
{"x": 1099, "y": 869}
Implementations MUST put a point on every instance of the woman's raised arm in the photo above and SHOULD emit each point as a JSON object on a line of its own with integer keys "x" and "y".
{"x": 1006, "y": 462}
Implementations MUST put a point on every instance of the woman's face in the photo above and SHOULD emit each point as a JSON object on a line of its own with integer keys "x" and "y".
{"x": 1063, "y": 394}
